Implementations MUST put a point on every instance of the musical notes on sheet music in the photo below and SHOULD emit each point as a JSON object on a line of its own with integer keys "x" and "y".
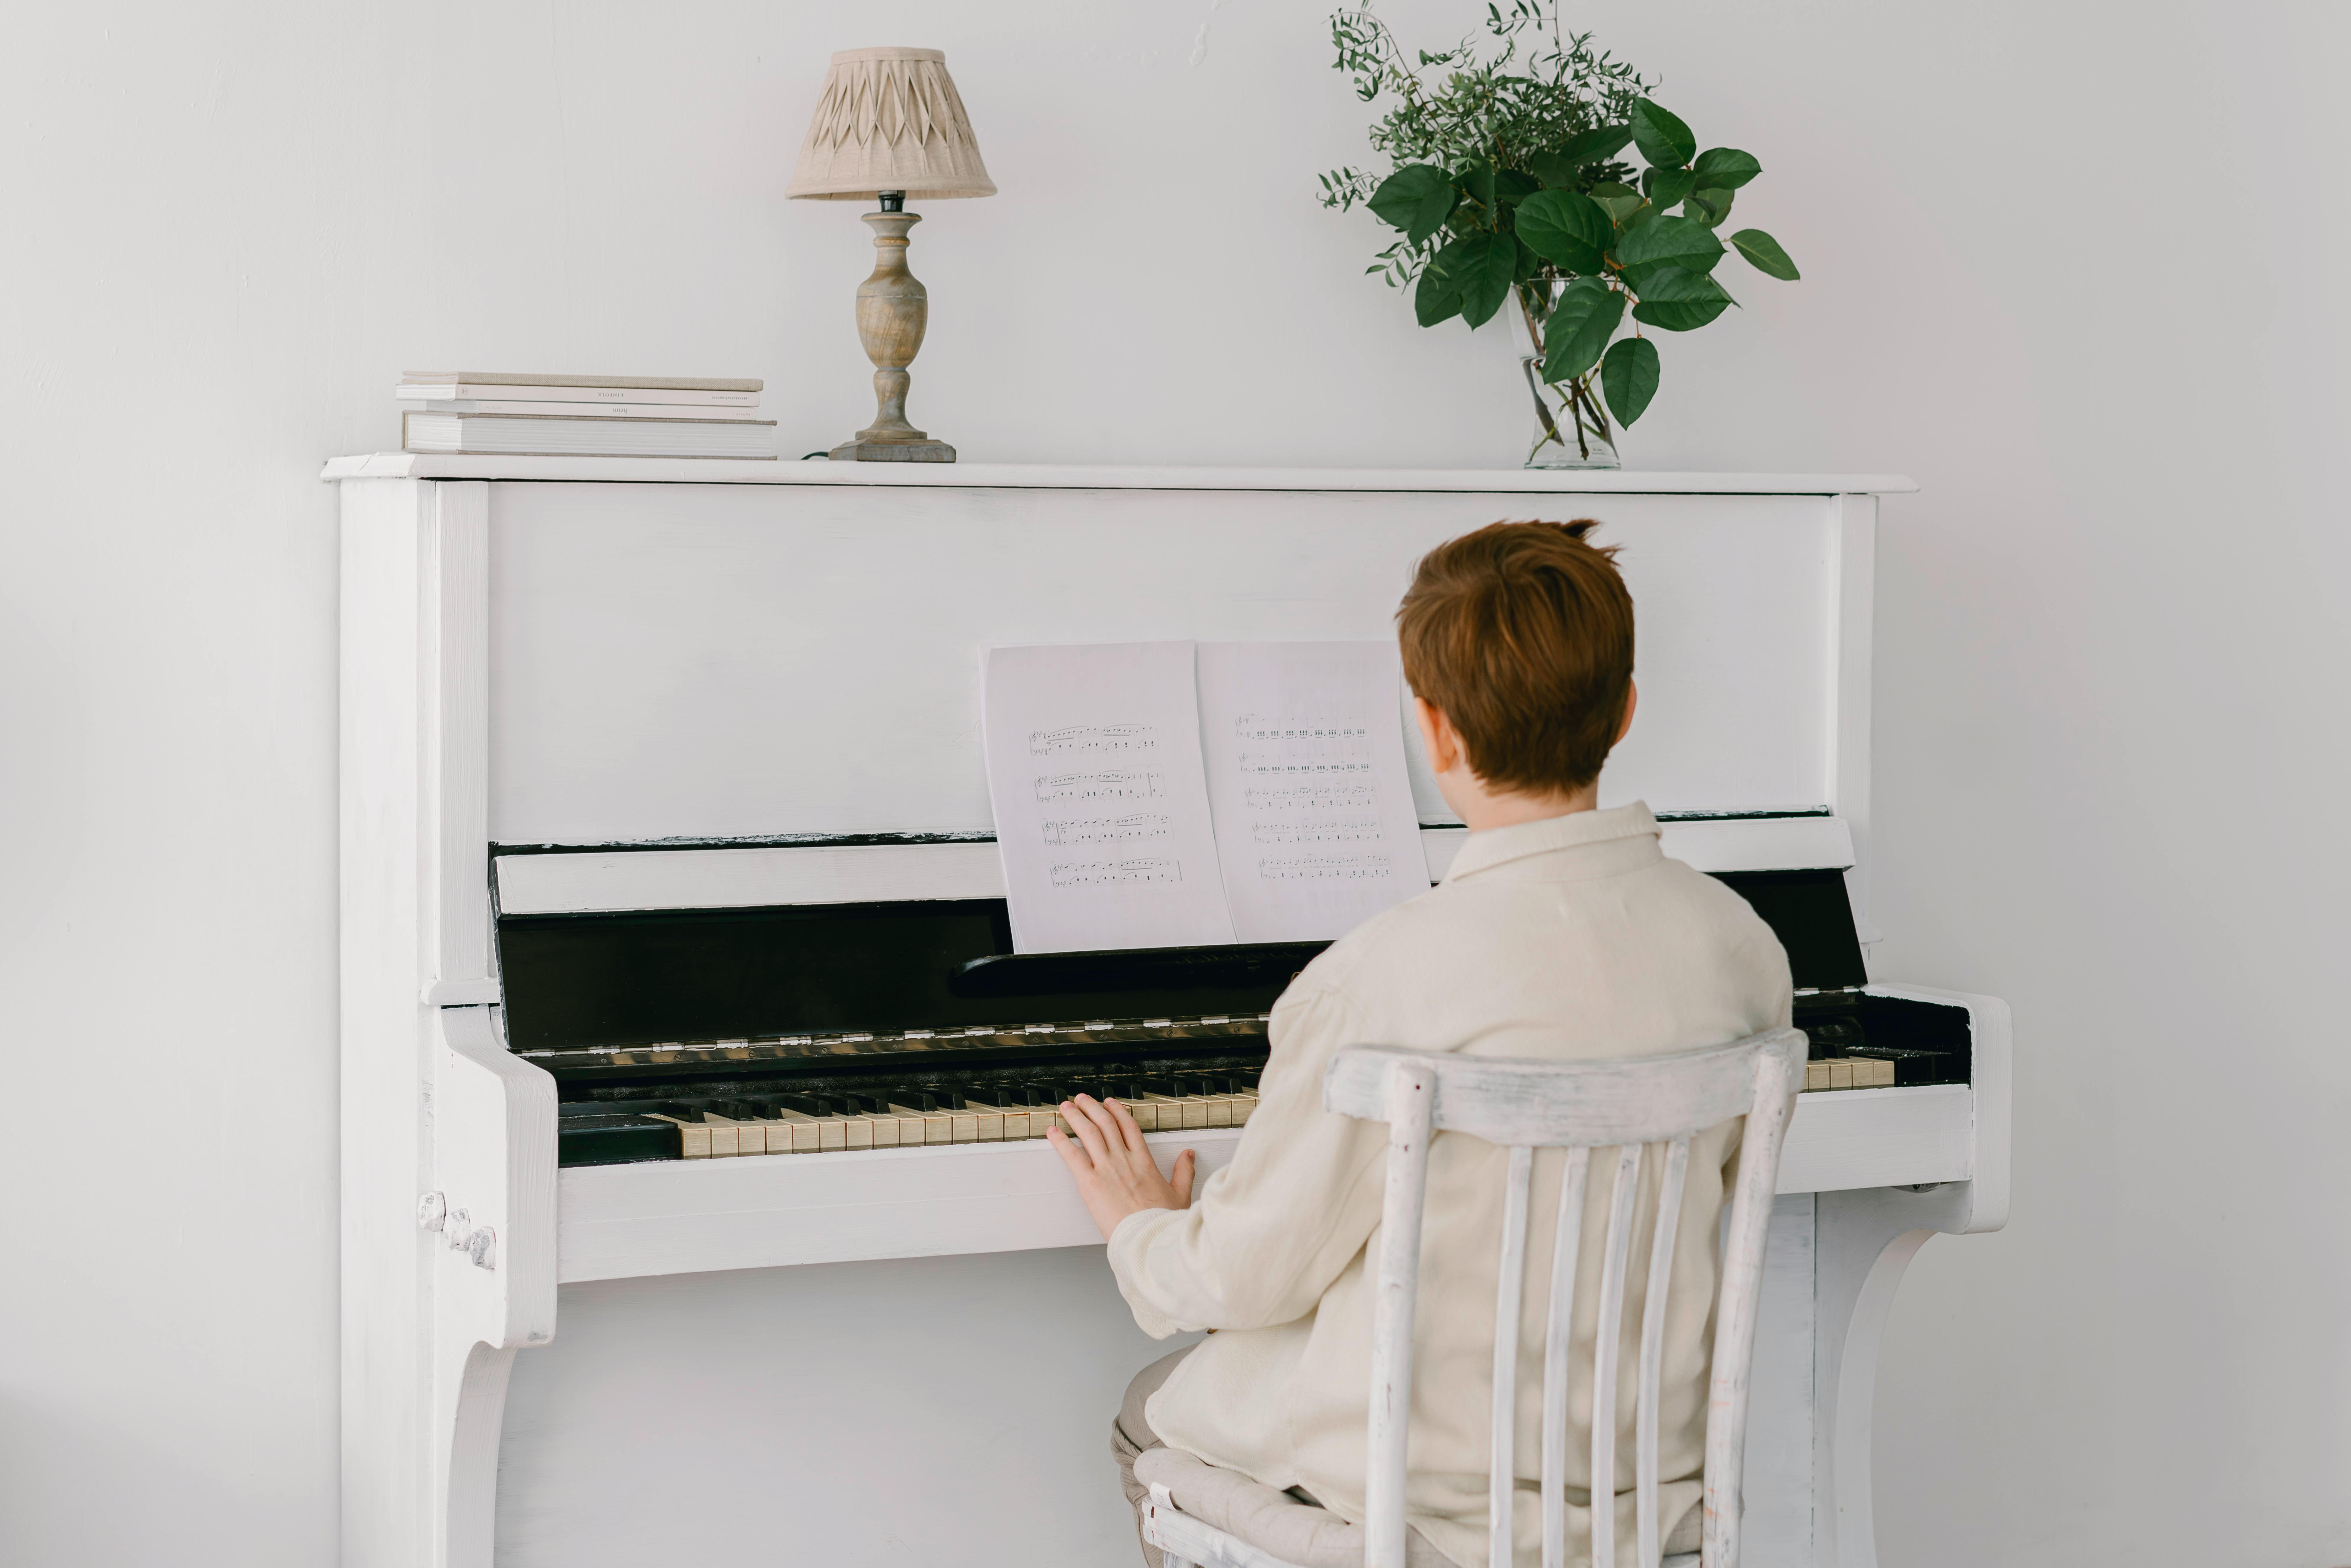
{"x": 1277, "y": 765}
{"x": 1311, "y": 795}
{"x": 1326, "y": 868}
{"x": 1304, "y": 744}
{"x": 1101, "y": 803}
{"x": 1317, "y": 830}
{"x": 1348, "y": 735}
{"x": 1116, "y": 874}
{"x": 1095, "y": 740}
{"x": 1131, "y": 784}
{"x": 1140, "y": 827}
{"x": 1153, "y": 794}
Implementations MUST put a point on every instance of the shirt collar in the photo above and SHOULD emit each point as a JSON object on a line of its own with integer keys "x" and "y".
{"x": 1497, "y": 846}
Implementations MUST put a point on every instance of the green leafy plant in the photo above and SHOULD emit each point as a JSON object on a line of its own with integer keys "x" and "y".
{"x": 1506, "y": 180}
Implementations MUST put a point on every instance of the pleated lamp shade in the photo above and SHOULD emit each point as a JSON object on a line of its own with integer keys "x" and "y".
{"x": 890, "y": 120}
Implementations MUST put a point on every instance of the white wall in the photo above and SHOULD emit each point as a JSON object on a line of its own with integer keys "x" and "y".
{"x": 2071, "y": 267}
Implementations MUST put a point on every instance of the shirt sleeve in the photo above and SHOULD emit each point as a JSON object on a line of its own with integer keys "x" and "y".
{"x": 1269, "y": 1233}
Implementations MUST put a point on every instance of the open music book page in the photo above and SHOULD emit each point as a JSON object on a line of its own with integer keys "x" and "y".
{"x": 1102, "y": 804}
{"x": 1307, "y": 785}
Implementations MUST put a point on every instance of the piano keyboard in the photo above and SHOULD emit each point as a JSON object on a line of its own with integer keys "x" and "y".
{"x": 1848, "y": 1072}
{"x": 901, "y": 1117}
{"x": 814, "y": 1118}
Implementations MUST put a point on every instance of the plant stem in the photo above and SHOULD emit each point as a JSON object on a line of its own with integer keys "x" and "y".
{"x": 1542, "y": 412}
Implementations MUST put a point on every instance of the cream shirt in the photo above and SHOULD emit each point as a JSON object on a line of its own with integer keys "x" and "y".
{"x": 1573, "y": 939}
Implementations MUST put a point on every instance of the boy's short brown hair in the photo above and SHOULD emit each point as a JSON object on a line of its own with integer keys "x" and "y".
{"x": 1522, "y": 634}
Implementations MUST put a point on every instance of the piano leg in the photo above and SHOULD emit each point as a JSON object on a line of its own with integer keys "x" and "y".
{"x": 469, "y": 1413}
{"x": 494, "y": 1292}
{"x": 1864, "y": 1241}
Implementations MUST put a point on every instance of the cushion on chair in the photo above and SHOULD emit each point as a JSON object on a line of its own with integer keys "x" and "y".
{"x": 1268, "y": 1519}
{"x": 1300, "y": 1532}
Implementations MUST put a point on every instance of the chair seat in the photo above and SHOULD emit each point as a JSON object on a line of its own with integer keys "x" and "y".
{"x": 1222, "y": 1518}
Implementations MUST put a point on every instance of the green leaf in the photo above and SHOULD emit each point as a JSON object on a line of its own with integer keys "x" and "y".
{"x": 1667, "y": 186}
{"x": 1680, "y": 301}
{"x": 1629, "y": 376}
{"x": 1663, "y": 140}
{"x": 1483, "y": 267}
{"x": 1554, "y": 170}
{"x": 1437, "y": 296}
{"x": 1764, "y": 252}
{"x": 1726, "y": 168}
{"x": 1566, "y": 229}
{"x": 1595, "y": 146}
{"x": 1640, "y": 217}
{"x": 1476, "y": 179}
{"x": 1580, "y": 326}
{"x": 1512, "y": 186}
{"x": 1619, "y": 201}
{"x": 1668, "y": 242}
{"x": 1416, "y": 199}
{"x": 1709, "y": 207}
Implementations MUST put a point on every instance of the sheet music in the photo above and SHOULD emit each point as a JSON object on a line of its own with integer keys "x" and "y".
{"x": 1101, "y": 805}
{"x": 1307, "y": 785}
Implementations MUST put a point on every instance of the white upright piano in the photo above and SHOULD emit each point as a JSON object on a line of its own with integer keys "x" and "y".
{"x": 672, "y": 943}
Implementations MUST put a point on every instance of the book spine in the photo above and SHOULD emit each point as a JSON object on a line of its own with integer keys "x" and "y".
{"x": 591, "y": 410}
{"x": 481, "y": 392}
{"x": 509, "y": 436}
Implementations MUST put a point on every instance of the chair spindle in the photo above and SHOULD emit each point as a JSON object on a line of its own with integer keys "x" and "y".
{"x": 1559, "y": 1330}
{"x": 1411, "y": 1106}
{"x": 1502, "y": 1481}
{"x": 1653, "y": 1349}
{"x": 1608, "y": 1342}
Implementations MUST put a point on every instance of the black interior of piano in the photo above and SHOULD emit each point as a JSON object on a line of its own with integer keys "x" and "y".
{"x": 584, "y": 983}
{"x": 574, "y": 980}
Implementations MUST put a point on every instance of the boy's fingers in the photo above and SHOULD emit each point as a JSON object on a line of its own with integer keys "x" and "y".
{"x": 1088, "y": 1134}
{"x": 1130, "y": 1133}
{"x": 1066, "y": 1147}
{"x": 1114, "y": 1140}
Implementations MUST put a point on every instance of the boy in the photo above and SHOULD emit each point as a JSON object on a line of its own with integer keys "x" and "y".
{"x": 1561, "y": 931}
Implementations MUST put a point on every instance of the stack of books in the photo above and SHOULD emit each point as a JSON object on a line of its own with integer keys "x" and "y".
{"x": 510, "y": 414}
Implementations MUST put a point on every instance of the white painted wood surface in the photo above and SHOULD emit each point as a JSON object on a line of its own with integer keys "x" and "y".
{"x": 590, "y": 880}
{"x": 683, "y": 1217}
{"x": 1852, "y": 628}
{"x": 493, "y": 1204}
{"x": 1077, "y": 476}
{"x": 1407, "y": 1092}
{"x": 388, "y": 1443}
{"x": 1776, "y": 1518}
{"x": 654, "y": 647}
{"x": 1882, "y": 1137}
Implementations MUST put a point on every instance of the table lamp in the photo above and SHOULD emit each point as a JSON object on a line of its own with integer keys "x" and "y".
{"x": 889, "y": 126}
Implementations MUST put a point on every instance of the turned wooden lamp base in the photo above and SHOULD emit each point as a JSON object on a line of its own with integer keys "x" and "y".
{"x": 857, "y": 450}
{"x": 893, "y": 309}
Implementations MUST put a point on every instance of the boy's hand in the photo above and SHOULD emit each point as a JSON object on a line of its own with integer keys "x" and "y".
{"x": 1115, "y": 1172}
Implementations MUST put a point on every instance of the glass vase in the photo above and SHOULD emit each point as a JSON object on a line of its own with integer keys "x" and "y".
{"x": 1571, "y": 429}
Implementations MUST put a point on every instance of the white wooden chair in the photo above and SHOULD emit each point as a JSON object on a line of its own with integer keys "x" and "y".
{"x": 1623, "y": 1104}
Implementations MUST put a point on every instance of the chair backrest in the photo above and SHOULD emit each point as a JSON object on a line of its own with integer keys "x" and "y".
{"x": 1624, "y": 1104}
